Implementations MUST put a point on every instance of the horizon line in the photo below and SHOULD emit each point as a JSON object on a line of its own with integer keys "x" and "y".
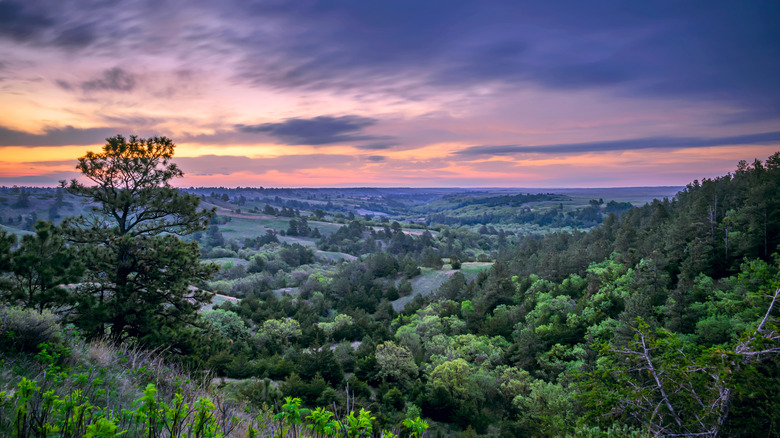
{"x": 382, "y": 187}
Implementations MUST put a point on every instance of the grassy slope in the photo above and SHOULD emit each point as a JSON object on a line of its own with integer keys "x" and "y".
{"x": 15, "y": 231}
{"x": 430, "y": 280}
{"x": 218, "y": 300}
{"x": 334, "y": 256}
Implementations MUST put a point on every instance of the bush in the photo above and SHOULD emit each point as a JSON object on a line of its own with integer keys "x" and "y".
{"x": 392, "y": 293}
{"x": 240, "y": 368}
{"x": 395, "y": 399}
{"x": 22, "y": 330}
{"x": 254, "y": 283}
{"x": 219, "y": 252}
{"x": 258, "y": 392}
{"x": 404, "y": 288}
{"x": 222, "y": 287}
{"x": 246, "y": 253}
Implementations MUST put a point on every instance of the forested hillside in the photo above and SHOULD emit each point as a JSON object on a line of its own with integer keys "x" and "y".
{"x": 375, "y": 314}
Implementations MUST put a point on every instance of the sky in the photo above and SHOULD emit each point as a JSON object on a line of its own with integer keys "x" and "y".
{"x": 394, "y": 93}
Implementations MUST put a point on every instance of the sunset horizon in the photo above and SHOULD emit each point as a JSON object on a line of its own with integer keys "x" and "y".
{"x": 394, "y": 94}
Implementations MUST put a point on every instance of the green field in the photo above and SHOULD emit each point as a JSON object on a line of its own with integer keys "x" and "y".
{"x": 326, "y": 228}
{"x": 241, "y": 227}
{"x": 247, "y": 225}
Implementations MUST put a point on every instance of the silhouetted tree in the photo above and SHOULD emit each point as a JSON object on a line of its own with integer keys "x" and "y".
{"x": 140, "y": 274}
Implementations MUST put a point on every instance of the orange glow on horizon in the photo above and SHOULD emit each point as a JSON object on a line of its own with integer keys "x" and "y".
{"x": 432, "y": 165}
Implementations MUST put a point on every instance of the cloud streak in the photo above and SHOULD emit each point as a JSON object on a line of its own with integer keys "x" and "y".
{"x": 66, "y": 136}
{"x": 115, "y": 79}
{"x": 320, "y": 130}
{"x": 230, "y": 164}
{"x": 43, "y": 179}
{"x": 622, "y": 145}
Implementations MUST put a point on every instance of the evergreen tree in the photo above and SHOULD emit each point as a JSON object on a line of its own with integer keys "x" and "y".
{"x": 41, "y": 266}
{"x": 7, "y": 241}
{"x": 140, "y": 274}
{"x": 23, "y": 201}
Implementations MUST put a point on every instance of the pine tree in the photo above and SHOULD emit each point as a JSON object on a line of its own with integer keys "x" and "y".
{"x": 7, "y": 241}
{"x": 140, "y": 274}
{"x": 41, "y": 266}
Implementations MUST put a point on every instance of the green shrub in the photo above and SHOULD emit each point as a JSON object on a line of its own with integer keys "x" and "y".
{"x": 22, "y": 330}
{"x": 219, "y": 252}
{"x": 455, "y": 262}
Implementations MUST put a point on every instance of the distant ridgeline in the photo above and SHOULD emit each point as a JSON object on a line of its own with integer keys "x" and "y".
{"x": 542, "y": 209}
{"x": 506, "y": 200}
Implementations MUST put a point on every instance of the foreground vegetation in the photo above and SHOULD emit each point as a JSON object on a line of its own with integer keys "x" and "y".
{"x": 73, "y": 388}
{"x": 486, "y": 314}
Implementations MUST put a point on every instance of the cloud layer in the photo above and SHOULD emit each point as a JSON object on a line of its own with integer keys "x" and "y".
{"x": 469, "y": 92}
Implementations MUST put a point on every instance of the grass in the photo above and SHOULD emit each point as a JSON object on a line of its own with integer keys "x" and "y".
{"x": 326, "y": 228}
{"x": 222, "y": 261}
{"x": 241, "y": 227}
{"x": 430, "y": 280}
{"x": 218, "y": 300}
{"x": 424, "y": 284}
{"x": 248, "y": 225}
{"x": 305, "y": 241}
{"x": 334, "y": 256}
{"x": 471, "y": 270}
{"x": 15, "y": 231}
